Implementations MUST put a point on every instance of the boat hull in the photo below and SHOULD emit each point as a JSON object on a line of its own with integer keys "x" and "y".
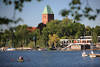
{"x": 10, "y": 49}
{"x": 84, "y": 55}
{"x": 92, "y": 55}
{"x": 20, "y": 60}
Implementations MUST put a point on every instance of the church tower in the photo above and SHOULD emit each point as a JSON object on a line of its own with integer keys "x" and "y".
{"x": 47, "y": 15}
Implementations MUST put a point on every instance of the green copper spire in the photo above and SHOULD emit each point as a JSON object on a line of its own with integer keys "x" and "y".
{"x": 47, "y": 10}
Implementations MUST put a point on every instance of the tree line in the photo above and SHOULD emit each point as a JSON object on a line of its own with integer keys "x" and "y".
{"x": 46, "y": 36}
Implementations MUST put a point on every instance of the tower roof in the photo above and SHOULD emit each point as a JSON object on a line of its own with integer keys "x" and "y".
{"x": 47, "y": 10}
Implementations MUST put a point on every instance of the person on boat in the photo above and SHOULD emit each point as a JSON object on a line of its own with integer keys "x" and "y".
{"x": 20, "y": 59}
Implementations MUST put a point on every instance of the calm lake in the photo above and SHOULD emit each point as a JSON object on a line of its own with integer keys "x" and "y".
{"x": 47, "y": 59}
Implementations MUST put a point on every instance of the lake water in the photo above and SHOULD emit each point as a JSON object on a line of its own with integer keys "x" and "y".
{"x": 47, "y": 59}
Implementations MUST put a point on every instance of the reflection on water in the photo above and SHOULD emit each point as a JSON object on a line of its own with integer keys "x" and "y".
{"x": 48, "y": 59}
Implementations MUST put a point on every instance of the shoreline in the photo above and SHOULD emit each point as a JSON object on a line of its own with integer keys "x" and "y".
{"x": 40, "y": 49}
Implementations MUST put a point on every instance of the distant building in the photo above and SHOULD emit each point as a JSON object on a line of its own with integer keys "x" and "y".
{"x": 76, "y": 43}
{"x": 47, "y": 15}
{"x": 31, "y": 28}
{"x": 83, "y": 40}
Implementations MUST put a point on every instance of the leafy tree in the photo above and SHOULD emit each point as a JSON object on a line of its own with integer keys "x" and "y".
{"x": 77, "y": 35}
{"x": 18, "y": 5}
{"x": 88, "y": 30}
{"x": 77, "y": 11}
{"x": 53, "y": 40}
{"x": 97, "y": 30}
{"x": 21, "y": 34}
{"x": 31, "y": 44}
{"x": 94, "y": 38}
{"x": 5, "y": 21}
{"x": 41, "y": 26}
{"x": 41, "y": 42}
{"x": 10, "y": 43}
{"x": 53, "y": 26}
{"x": 5, "y": 37}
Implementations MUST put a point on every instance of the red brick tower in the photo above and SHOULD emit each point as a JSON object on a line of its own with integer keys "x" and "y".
{"x": 47, "y": 15}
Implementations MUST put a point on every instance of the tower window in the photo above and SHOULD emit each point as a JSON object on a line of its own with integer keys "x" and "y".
{"x": 45, "y": 17}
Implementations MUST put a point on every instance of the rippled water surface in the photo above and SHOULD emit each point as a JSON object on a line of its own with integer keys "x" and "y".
{"x": 47, "y": 59}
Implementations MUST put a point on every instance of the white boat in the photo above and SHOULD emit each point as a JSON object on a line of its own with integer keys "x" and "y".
{"x": 10, "y": 49}
{"x": 92, "y": 55}
{"x": 39, "y": 49}
{"x": 84, "y": 54}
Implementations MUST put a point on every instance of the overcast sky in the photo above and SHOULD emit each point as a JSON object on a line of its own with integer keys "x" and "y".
{"x": 32, "y": 11}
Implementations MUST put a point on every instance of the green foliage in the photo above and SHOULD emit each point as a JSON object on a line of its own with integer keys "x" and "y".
{"x": 10, "y": 43}
{"x": 75, "y": 2}
{"x": 41, "y": 26}
{"x": 64, "y": 28}
{"x": 65, "y": 12}
{"x": 47, "y": 36}
{"x": 77, "y": 35}
{"x": 94, "y": 38}
{"x": 64, "y": 37}
{"x": 97, "y": 30}
{"x": 31, "y": 44}
{"x": 77, "y": 11}
{"x": 53, "y": 40}
{"x": 74, "y": 11}
{"x": 22, "y": 34}
{"x": 5, "y": 21}
{"x": 41, "y": 43}
{"x": 18, "y": 4}
{"x": 88, "y": 31}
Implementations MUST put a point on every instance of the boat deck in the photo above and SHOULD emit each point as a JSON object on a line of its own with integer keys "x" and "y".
{"x": 97, "y": 55}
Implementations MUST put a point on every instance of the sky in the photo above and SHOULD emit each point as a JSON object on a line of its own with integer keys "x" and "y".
{"x": 32, "y": 11}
